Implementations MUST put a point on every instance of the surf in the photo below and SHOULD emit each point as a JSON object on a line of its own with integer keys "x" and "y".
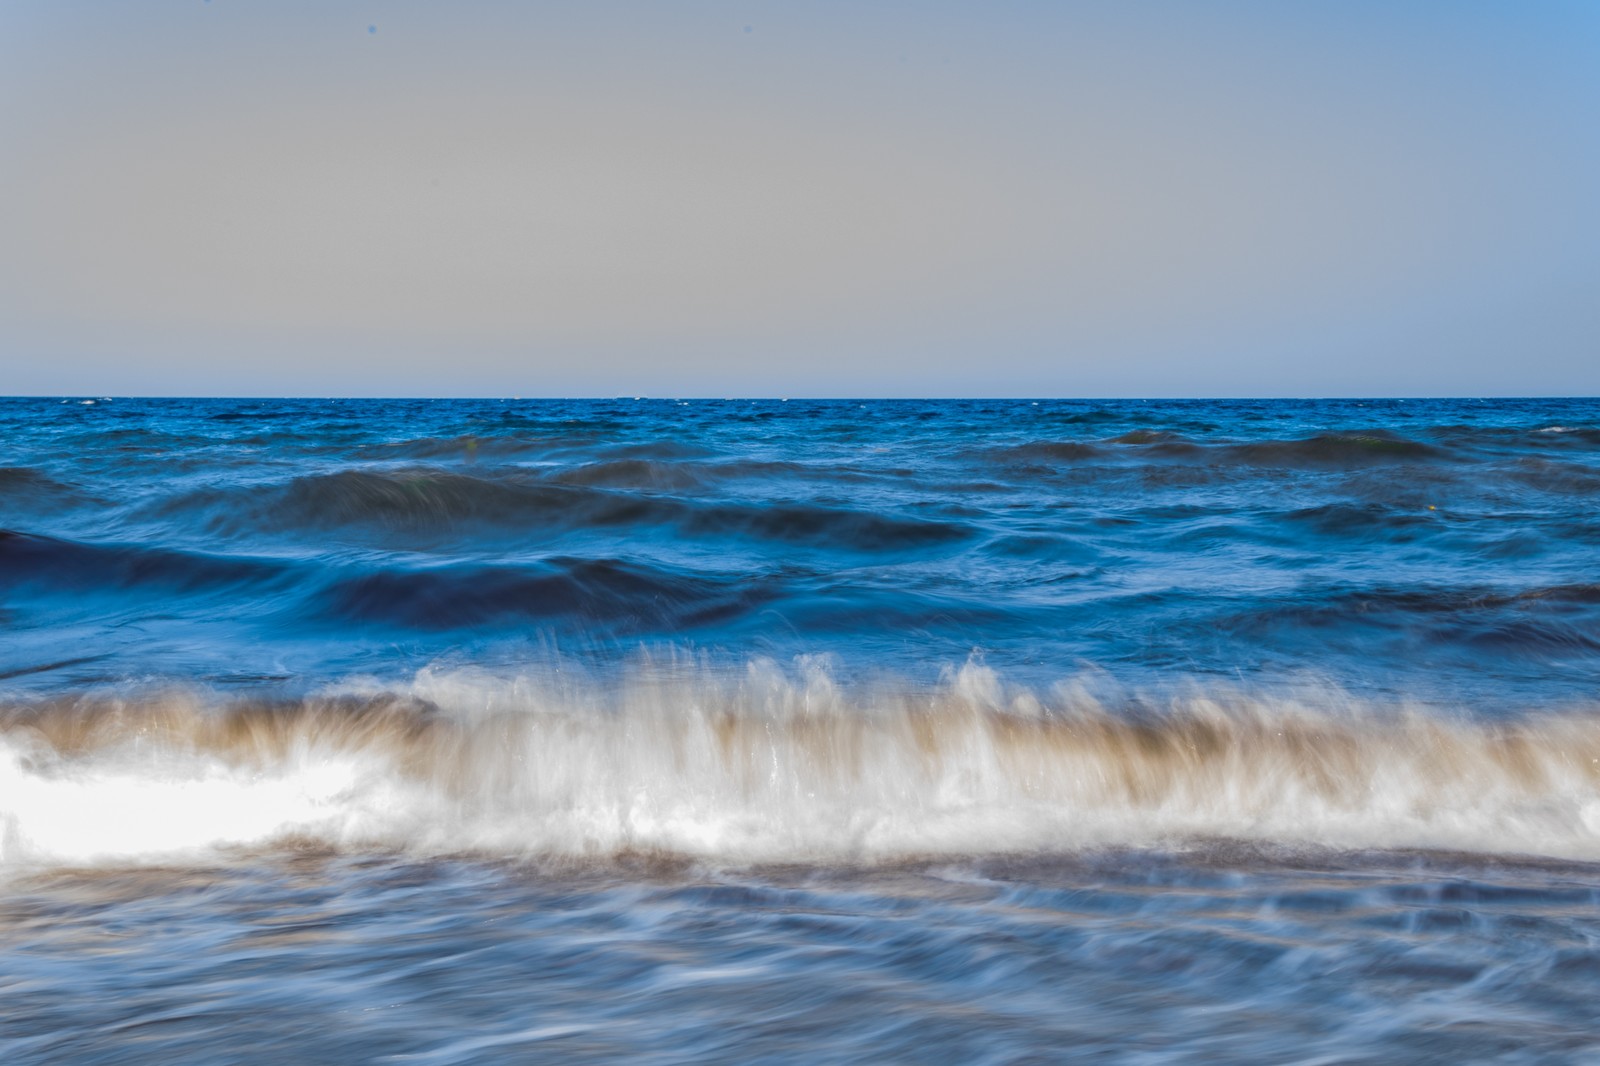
{"x": 780, "y": 765}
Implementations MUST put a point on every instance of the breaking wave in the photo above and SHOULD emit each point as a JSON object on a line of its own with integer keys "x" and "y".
{"x": 769, "y": 767}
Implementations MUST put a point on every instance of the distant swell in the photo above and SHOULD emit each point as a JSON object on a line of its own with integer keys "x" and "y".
{"x": 1160, "y": 447}
{"x": 1046, "y": 451}
{"x": 1334, "y": 449}
{"x": 765, "y": 768}
{"x": 633, "y": 474}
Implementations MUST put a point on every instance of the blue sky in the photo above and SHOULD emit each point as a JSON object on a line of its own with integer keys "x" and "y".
{"x": 475, "y": 198}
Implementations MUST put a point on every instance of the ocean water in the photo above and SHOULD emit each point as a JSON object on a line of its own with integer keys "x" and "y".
{"x": 799, "y": 731}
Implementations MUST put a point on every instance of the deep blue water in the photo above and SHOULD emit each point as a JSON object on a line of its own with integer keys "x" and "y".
{"x": 1420, "y": 548}
{"x": 799, "y": 730}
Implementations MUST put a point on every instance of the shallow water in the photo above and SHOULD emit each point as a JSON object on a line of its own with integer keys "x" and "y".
{"x": 459, "y": 731}
{"x": 1219, "y": 955}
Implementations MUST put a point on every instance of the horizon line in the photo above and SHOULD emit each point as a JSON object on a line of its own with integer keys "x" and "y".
{"x": 66, "y": 397}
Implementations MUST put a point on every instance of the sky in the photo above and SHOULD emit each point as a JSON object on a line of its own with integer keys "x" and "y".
{"x": 350, "y": 197}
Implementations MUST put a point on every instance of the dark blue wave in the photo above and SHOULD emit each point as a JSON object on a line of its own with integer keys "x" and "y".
{"x": 587, "y": 595}
{"x": 432, "y": 501}
{"x": 57, "y": 566}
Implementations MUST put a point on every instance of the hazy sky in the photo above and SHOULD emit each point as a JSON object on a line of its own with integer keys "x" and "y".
{"x": 474, "y": 198}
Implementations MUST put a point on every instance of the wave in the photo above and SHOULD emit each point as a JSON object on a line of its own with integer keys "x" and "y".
{"x": 1145, "y": 446}
{"x": 1093, "y": 416}
{"x": 29, "y": 559}
{"x": 23, "y": 488}
{"x": 1540, "y": 621}
{"x": 416, "y": 498}
{"x": 770, "y": 767}
{"x": 255, "y": 413}
{"x": 1329, "y": 603}
{"x": 835, "y": 527}
{"x": 416, "y": 501}
{"x": 584, "y": 597}
{"x": 471, "y": 446}
{"x": 27, "y": 479}
{"x": 602, "y": 594}
{"x": 662, "y": 475}
{"x": 633, "y": 474}
{"x": 429, "y": 502}
{"x": 1335, "y": 450}
{"x": 1545, "y": 436}
{"x": 1545, "y": 475}
{"x": 1360, "y": 519}
{"x": 1160, "y": 442}
{"x": 1047, "y": 451}
{"x": 606, "y": 593}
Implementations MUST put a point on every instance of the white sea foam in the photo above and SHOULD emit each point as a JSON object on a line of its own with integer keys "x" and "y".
{"x": 768, "y": 767}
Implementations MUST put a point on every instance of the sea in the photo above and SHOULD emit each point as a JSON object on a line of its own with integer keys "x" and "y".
{"x": 799, "y": 731}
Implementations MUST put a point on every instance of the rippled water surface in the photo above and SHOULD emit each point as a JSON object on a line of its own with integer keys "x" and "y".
{"x": 461, "y": 731}
{"x": 1212, "y": 958}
